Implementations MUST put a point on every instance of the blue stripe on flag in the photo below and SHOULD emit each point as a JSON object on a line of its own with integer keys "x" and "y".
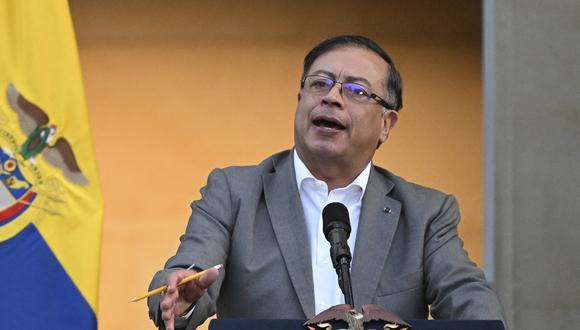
{"x": 35, "y": 291}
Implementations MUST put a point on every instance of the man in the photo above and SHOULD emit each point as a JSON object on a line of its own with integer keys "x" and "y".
{"x": 263, "y": 222}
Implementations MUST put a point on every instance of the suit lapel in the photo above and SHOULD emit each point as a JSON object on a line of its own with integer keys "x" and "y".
{"x": 285, "y": 209}
{"x": 378, "y": 222}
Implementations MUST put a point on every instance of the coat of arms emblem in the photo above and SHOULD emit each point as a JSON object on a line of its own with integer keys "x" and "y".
{"x": 23, "y": 186}
{"x": 16, "y": 193}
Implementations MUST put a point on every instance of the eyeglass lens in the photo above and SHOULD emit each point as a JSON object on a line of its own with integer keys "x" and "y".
{"x": 321, "y": 86}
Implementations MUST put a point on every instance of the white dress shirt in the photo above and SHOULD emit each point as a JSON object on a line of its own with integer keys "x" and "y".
{"x": 315, "y": 196}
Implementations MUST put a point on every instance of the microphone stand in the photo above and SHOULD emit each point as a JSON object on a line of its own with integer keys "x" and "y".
{"x": 341, "y": 257}
{"x": 343, "y": 272}
{"x": 336, "y": 228}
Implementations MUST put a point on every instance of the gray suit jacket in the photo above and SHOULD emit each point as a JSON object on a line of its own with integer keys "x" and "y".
{"x": 408, "y": 254}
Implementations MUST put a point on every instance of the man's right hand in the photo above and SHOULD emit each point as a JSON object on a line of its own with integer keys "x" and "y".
{"x": 178, "y": 299}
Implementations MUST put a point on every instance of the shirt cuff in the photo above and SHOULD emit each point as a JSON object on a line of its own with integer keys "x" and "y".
{"x": 187, "y": 313}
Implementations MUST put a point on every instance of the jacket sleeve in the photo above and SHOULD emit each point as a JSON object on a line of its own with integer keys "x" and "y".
{"x": 455, "y": 287}
{"x": 206, "y": 243}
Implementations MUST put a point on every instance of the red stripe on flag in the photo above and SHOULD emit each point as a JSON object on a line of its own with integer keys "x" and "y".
{"x": 17, "y": 207}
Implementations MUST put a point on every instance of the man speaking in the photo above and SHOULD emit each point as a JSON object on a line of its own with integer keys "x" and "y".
{"x": 264, "y": 222}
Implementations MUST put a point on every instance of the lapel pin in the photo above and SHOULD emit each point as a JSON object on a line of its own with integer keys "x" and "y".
{"x": 387, "y": 210}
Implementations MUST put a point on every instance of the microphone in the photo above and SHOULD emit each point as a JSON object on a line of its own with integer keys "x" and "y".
{"x": 336, "y": 228}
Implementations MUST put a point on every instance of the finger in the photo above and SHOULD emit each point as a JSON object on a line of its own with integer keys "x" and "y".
{"x": 207, "y": 278}
{"x": 168, "y": 320}
{"x": 197, "y": 288}
{"x": 173, "y": 279}
{"x": 169, "y": 324}
{"x": 168, "y": 302}
{"x": 167, "y": 315}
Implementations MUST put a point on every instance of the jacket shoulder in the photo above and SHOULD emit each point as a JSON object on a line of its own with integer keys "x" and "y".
{"x": 267, "y": 165}
{"x": 404, "y": 190}
{"x": 249, "y": 177}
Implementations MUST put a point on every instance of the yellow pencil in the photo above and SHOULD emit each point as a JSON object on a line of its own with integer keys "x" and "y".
{"x": 182, "y": 282}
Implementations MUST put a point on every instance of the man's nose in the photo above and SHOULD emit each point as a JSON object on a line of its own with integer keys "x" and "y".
{"x": 334, "y": 95}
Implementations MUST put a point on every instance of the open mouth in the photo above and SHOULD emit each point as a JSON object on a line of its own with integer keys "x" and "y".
{"x": 328, "y": 123}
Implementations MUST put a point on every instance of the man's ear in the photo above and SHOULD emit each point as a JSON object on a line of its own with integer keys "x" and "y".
{"x": 389, "y": 121}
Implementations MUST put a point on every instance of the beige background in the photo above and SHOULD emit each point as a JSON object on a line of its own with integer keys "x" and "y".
{"x": 176, "y": 88}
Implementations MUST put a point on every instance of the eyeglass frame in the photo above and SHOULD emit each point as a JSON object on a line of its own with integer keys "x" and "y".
{"x": 372, "y": 95}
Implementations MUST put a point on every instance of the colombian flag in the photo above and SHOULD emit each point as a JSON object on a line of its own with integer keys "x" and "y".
{"x": 50, "y": 199}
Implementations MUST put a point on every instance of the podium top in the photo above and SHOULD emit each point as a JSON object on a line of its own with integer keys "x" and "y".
{"x": 236, "y": 324}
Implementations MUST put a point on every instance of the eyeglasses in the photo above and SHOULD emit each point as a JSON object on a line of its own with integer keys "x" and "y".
{"x": 321, "y": 85}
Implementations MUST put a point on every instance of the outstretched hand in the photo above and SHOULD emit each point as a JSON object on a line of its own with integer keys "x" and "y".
{"x": 178, "y": 299}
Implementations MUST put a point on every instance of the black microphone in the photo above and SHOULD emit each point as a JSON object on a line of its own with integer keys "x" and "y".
{"x": 336, "y": 228}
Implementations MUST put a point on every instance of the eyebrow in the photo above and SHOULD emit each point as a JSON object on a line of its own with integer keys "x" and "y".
{"x": 347, "y": 78}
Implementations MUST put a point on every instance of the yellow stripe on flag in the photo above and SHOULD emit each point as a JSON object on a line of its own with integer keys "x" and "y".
{"x": 44, "y": 132}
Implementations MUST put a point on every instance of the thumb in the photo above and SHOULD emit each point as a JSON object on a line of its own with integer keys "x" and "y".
{"x": 207, "y": 278}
